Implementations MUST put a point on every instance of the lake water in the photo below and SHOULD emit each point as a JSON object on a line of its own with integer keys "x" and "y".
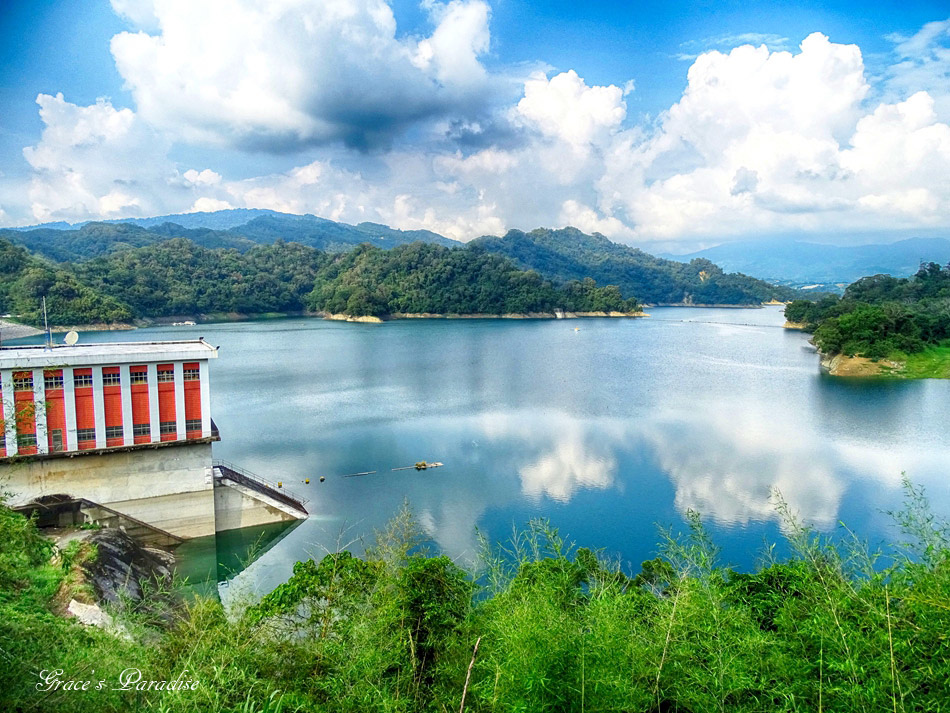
{"x": 607, "y": 427}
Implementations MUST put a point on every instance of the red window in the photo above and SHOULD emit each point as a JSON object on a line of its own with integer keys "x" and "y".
{"x": 112, "y": 405}
{"x": 25, "y": 411}
{"x": 85, "y": 410}
{"x": 55, "y": 410}
{"x": 192, "y": 400}
{"x": 166, "y": 402}
{"x": 141, "y": 418}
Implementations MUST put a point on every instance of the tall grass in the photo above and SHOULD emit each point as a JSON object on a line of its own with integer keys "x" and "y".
{"x": 541, "y": 626}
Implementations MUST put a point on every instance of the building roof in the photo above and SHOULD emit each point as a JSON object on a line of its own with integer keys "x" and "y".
{"x": 42, "y": 356}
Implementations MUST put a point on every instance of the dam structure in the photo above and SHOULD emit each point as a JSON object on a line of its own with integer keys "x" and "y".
{"x": 121, "y": 434}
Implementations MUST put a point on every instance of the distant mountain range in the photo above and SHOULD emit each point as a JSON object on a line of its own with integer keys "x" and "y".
{"x": 809, "y": 263}
{"x": 239, "y": 229}
{"x": 559, "y": 255}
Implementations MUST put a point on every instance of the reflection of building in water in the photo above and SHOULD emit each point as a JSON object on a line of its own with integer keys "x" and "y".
{"x": 121, "y": 434}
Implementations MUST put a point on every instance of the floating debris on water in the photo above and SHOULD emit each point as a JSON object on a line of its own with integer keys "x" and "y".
{"x": 421, "y": 465}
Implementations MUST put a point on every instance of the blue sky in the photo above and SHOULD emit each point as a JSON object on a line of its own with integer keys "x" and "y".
{"x": 671, "y": 124}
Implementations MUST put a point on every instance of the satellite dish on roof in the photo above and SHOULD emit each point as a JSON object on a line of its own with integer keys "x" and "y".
{"x": 72, "y": 336}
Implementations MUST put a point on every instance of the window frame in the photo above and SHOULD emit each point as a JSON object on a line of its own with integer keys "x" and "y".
{"x": 82, "y": 381}
{"x": 50, "y": 383}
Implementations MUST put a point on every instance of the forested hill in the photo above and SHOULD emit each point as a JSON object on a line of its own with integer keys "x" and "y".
{"x": 422, "y": 278}
{"x": 94, "y": 239}
{"x": 26, "y": 279}
{"x": 568, "y": 254}
{"x": 881, "y": 316}
{"x": 177, "y": 277}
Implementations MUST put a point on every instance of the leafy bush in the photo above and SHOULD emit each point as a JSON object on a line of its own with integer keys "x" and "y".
{"x": 833, "y": 627}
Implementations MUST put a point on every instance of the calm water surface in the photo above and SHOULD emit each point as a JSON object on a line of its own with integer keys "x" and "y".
{"x": 607, "y": 427}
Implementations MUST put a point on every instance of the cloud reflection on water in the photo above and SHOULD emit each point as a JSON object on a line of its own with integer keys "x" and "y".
{"x": 729, "y": 466}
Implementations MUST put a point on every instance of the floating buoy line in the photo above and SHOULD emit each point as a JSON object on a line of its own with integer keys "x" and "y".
{"x": 421, "y": 465}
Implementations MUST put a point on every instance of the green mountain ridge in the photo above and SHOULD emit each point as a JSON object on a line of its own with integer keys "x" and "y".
{"x": 178, "y": 277}
{"x": 90, "y": 240}
{"x": 568, "y": 253}
{"x": 278, "y": 263}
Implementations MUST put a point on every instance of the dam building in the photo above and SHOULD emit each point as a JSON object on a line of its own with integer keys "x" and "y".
{"x": 121, "y": 434}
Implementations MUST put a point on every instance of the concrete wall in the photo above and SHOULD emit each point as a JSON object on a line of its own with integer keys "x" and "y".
{"x": 236, "y": 507}
{"x": 170, "y": 488}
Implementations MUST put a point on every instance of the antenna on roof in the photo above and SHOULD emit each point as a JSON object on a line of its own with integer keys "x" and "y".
{"x": 72, "y": 336}
{"x": 49, "y": 335}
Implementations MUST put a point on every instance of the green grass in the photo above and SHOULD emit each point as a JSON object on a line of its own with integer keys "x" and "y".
{"x": 932, "y": 363}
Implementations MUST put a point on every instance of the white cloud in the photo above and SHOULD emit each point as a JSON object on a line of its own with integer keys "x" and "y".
{"x": 140, "y": 13}
{"x": 693, "y": 48}
{"x": 206, "y": 177}
{"x": 761, "y": 141}
{"x": 460, "y": 37}
{"x": 564, "y": 107}
{"x": 923, "y": 65}
{"x": 209, "y": 205}
{"x": 93, "y": 161}
{"x": 585, "y": 218}
{"x": 797, "y": 123}
{"x": 98, "y": 161}
{"x": 278, "y": 76}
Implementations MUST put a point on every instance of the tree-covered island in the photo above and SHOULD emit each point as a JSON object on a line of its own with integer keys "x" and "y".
{"x": 178, "y": 277}
{"x": 883, "y": 325}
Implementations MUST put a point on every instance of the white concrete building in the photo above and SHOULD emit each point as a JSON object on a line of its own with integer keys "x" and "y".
{"x": 125, "y": 427}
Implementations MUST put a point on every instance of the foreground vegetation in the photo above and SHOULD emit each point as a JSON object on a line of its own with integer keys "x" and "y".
{"x": 540, "y": 627}
{"x": 900, "y": 319}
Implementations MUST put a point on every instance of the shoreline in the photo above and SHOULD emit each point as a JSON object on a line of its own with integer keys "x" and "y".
{"x": 16, "y": 330}
{"x": 932, "y": 363}
{"x": 757, "y": 305}
{"x": 558, "y": 314}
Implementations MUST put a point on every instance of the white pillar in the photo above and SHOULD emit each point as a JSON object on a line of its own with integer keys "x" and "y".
{"x": 153, "y": 416}
{"x": 9, "y": 411}
{"x": 204, "y": 373}
{"x": 39, "y": 411}
{"x": 99, "y": 407}
{"x": 125, "y": 379}
{"x": 70, "y": 440}
{"x": 180, "y": 400}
